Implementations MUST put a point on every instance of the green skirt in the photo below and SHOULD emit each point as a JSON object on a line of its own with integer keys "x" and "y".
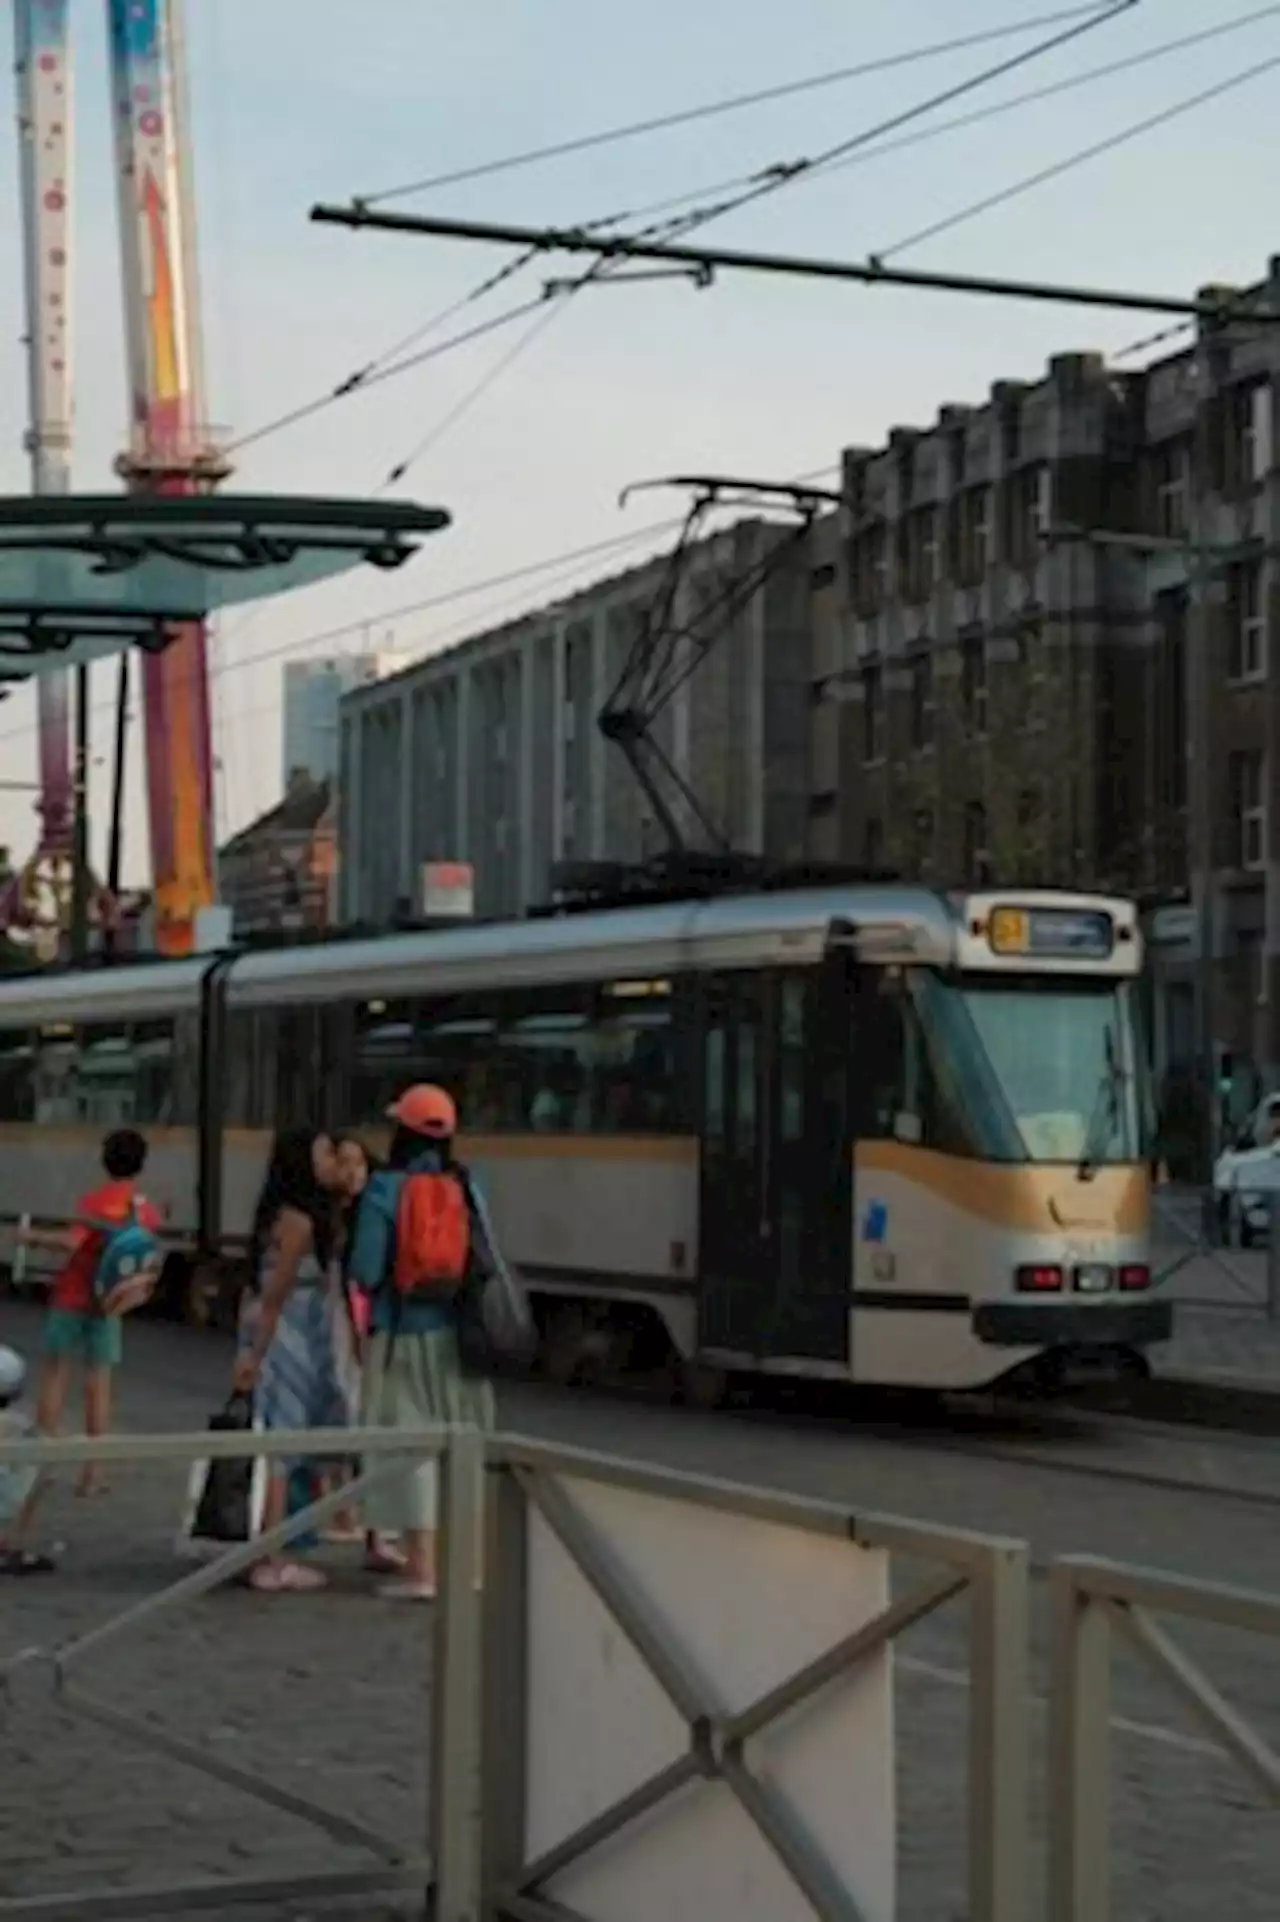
{"x": 423, "y": 1388}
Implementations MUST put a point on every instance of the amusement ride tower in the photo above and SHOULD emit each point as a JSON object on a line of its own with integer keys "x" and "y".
{"x": 169, "y": 452}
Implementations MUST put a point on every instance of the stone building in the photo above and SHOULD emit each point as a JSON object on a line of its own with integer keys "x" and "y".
{"x": 277, "y": 874}
{"x": 490, "y": 753}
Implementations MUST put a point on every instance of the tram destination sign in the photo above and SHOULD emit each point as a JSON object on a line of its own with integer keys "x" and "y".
{"x": 1075, "y": 934}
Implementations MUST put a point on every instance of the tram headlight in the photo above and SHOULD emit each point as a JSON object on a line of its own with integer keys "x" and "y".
{"x": 1093, "y": 1278}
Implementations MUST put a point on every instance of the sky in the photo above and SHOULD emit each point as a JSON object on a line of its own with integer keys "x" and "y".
{"x": 295, "y": 101}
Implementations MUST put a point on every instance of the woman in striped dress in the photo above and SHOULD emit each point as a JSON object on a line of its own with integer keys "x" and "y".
{"x": 287, "y": 1352}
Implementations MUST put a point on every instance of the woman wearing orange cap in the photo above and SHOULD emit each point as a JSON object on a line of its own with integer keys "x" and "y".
{"x": 412, "y": 1373}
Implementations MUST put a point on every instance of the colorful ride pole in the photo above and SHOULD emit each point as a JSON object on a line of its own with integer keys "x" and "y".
{"x": 40, "y": 891}
{"x": 169, "y": 451}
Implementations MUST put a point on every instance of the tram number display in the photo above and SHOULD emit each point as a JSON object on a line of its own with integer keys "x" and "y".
{"x": 1075, "y": 934}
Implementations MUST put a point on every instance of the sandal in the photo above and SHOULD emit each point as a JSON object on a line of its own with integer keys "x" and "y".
{"x": 26, "y": 1561}
{"x": 381, "y": 1558}
{"x": 286, "y": 1578}
{"x": 407, "y": 1591}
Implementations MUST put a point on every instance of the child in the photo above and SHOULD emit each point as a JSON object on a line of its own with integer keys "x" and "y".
{"x": 16, "y": 1484}
{"x": 76, "y": 1329}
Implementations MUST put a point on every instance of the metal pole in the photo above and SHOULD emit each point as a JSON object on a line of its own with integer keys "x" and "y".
{"x": 115, "y": 842}
{"x": 80, "y": 822}
{"x": 580, "y": 240}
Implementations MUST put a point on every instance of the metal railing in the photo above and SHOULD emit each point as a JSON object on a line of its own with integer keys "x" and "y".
{"x": 1198, "y": 1238}
{"x": 531, "y": 1478}
{"x": 37, "y": 1674}
{"x": 1094, "y": 1601}
{"x": 478, "y": 1859}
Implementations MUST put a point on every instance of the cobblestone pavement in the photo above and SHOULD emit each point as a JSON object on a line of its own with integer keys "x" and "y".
{"x": 329, "y": 1694}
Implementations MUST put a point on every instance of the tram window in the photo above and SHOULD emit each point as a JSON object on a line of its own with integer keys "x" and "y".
{"x": 297, "y": 1056}
{"x": 792, "y": 1059}
{"x": 17, "y": 1077}
{"x": 899, "y": 1091}
{"x": 154, "y": 1080}
{"x": 241, "y": 1106}
{"x": 90, "y": 1076}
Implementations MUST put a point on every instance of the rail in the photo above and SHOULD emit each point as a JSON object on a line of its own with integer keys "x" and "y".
{"x": 755, "y": 1622}
{"x": 1093, "y": 1601}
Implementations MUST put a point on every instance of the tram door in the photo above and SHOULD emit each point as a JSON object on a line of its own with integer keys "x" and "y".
{"x": 776, "y": 1199}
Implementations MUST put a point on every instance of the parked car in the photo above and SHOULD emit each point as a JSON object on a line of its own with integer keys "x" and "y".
{"x": 1247, "y": 1175}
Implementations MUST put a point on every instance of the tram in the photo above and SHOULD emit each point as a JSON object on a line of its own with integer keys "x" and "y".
{"x": 872, "y": 1133}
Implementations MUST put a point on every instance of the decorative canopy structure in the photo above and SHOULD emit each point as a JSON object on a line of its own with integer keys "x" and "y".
{"x": 84, "y": 575}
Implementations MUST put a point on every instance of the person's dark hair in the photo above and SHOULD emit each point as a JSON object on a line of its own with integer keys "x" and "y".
{"x": 290, "y": 1182}
{"x": 407, "y": 1146}
{"x": 124, "y": 1154}
{"x": 371, "y": 1160}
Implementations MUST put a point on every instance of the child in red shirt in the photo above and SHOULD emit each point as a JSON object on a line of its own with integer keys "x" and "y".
{"x": 75, "y": 1329}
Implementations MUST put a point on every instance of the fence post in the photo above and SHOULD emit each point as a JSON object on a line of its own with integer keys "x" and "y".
{"x": 999, "y": 1749}
{"x": 1079, "y": 1788}
{"x": 1273, "y": 1256}
{"x": 455, "y": 1683}
{"x": 505, "y": 1687}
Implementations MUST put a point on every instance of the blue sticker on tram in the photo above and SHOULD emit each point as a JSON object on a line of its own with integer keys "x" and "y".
{"x": 875, "y": 1221}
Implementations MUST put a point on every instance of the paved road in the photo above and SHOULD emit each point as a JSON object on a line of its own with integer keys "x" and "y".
{"x": 329, "y": 1694}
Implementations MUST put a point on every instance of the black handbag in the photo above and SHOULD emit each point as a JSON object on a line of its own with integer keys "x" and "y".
{"x": 225, "y": 1510}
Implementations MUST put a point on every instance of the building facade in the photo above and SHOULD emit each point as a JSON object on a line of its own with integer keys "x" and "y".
{"x": 277, "y": 875}
{"x": 490, "y": 753}
{"x": 313, "y": 692}
{"x": 1042, "y": 653}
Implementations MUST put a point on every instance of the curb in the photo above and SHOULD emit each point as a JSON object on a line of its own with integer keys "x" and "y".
{"x": 1202, "y": 1401}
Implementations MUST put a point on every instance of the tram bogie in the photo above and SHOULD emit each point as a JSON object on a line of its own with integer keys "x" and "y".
{"x": 862, "y": 1134}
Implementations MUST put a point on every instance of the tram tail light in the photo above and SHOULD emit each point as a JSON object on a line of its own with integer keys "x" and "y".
{"x": 1134, "y": 1277}
{"x": 1038, "y": 1280}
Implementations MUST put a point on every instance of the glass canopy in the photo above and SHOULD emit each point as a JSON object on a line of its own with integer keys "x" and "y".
{"x": 83, "y": 575}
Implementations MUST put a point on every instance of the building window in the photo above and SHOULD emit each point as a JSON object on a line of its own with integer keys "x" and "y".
{"x": 976, "y": 859}
{"x": 922, "y": 840}
{"x": 1247, "y": 615}
{"x": 918, "y": 554}
{"x": 1248, "y": 434}
{"x": 922, "y": 702}
{"x": 872, "y": 714}
{"x": 1171, "y": 468}
{"x": 873, "y": 843}
{"x": 868, "y": 567}
{"x": 973, "y": 682}
{"x": 1248, "y": 810}
{"x": 973, "y": 533}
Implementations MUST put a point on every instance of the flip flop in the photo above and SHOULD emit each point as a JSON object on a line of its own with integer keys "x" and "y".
{"x": 407, "y": 1591}
{"x": 286, "y": 1578}
{"x": 26, "y": 1561}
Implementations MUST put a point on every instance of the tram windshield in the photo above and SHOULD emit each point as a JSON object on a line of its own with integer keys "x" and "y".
{"x": 1035, "y": 1068}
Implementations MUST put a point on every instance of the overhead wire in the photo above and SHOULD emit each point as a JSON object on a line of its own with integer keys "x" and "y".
{"x": 772, "y": 180}
{"x": 748, "y": 187}
{"x": 1078, "y": 159}
{"x": 732, "y": 103}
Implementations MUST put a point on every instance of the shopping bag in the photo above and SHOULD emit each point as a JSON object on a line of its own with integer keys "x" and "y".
{"x": 225, "y": 1498}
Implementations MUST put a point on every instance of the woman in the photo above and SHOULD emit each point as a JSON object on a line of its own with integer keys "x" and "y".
{"x": 287, "y": 1353}
{"x": 355, "y": 1165}
{"x": 412, "y": 1373}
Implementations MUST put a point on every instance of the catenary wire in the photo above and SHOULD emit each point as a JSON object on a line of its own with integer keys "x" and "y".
{"x": 749, "y": 187}
{"x": 772, "y": 181}
{"x": 1078, "y": 159}
{"x": 731, "y": 103}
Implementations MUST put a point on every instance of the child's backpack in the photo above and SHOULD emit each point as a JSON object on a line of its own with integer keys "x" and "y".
{"x": 129, "y": 1263}
{"x": 433, "y": 1233}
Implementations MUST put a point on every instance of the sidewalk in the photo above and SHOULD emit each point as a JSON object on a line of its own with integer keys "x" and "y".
{"x": 327, "y": 1695}
{"x": 1222, "y": 1329}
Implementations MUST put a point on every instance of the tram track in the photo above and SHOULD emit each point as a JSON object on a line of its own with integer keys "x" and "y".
{"x": 1031, "y": 1438}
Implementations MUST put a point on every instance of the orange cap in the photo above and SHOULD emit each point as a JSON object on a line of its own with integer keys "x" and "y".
{"x": 425, "y": 1110}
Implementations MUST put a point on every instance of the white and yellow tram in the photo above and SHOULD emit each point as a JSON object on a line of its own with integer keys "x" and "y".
{"x": 872, "y": 1133}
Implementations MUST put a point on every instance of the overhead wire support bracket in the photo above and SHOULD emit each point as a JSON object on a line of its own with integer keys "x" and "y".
{"x": 699, "y": 277}
{"x": 578, "y": 240}
{"x": 668, "y": 649}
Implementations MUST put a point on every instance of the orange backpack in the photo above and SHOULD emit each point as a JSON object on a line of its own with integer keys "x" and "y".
{"x": 433, "y": 1233}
